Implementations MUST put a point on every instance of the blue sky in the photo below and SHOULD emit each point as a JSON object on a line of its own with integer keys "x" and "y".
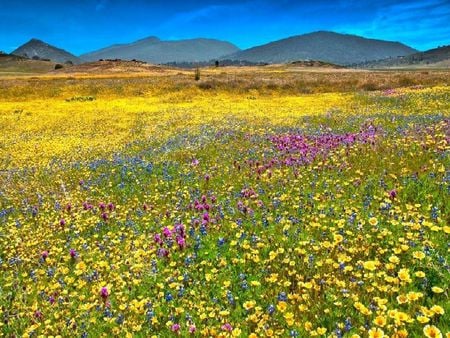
{"x": 84, "y": 25}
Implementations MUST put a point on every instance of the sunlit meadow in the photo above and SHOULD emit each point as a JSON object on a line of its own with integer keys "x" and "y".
{"x": 131, "y": 207}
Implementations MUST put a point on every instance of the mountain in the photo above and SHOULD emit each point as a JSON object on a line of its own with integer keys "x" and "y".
{"x": 154, "y": 50}
{"x": 436, "y": 57}
{"x": 341, "y": 49}
{"x": 37, "y": 49}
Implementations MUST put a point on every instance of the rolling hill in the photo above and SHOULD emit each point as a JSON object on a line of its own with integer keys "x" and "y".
{"x": 154, "y": 50}
{"x": 341, "y": 49}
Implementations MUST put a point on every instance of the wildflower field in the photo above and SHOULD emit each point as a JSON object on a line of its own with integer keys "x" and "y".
{"x": 137, "y": 207}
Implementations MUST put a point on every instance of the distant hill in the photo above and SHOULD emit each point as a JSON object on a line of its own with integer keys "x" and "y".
{"x": 17, "y": 64}
{"x": 341, "y": 49}
{"x": 154, "y": 50}
{"x": 437, "y": 57}
{"x": 37, "y": 49}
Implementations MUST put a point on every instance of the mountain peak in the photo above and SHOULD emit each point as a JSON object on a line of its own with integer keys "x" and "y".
{"x": 36, "y": 48}
{"x": 150, "y": 39}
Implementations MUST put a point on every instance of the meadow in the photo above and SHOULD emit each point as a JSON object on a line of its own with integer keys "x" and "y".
{"x": 256, "y": 202}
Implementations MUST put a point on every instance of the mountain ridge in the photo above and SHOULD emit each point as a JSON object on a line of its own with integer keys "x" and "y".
{"x": 326, "y": 46}
{"x": 154, "y": 50}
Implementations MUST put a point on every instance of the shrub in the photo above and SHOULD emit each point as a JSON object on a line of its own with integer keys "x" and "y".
{"x": 197, "y": 74}
{"x": 58, "y": 66}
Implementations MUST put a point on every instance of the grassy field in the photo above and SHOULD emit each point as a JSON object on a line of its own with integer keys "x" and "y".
{"x": 274, "y": 201}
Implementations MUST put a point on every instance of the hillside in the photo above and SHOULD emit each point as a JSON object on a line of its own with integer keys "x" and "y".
{"x": 154, "y": 50}
{"x": 436, "y": 57}
{"x": 341, "y": 49}
{"x": 37, "y": 49}
{"x": 18, "y": 64}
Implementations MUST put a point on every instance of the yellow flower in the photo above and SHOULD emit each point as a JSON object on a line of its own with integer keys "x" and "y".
{"x": 370, "y": 265}
{"x": 437, "y": 309}
{"x": 400, "y": 334}
{"x": 281, "y": 306}
{"x": 402, "y": 299}
{"x": 437, "y": 289}
{"x": 373, "y": 221}
{"x": 376, "y": 333}
{"x": 423, "y": 319}
{"x": 403, "y": 274}
{"x": 432, "y": 331}
{"x": 289, "y": 317}
{"x": 236, "y": 332}
{"x": 419, "y": 255}
{"x": 249, "y": 305}
{"x": 420, "y": 274}
{"x": 380, "y": 321}
{"x": 321, "y": 330}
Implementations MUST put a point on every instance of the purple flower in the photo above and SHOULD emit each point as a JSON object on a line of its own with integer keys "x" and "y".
{"x": 73, "y": 253}
{"x": 62, "y": 222}
{"x": 44, "y": 254}
{"x": 393, "y": 194}
{"x": 181, "y": 242}
{"x": 175, "y": 328}
{"x": 158, "y": 239}
{"x": 167, "y": 232}
{"x": 192, "y": 329}
{"x": 104, "y": 293}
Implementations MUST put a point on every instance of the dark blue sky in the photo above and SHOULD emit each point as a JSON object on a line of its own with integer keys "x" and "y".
{"x": 83, "y": 25}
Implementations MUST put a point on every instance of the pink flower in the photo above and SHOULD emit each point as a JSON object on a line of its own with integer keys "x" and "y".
{"x": 44, "y": 254}
{"x": 73, "y": 253}
{"x": 192, "y": 329}
{"x": 227, "y": 327}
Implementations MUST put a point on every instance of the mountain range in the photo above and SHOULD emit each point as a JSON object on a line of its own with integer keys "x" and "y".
{"x": 154, "y": 50}
{"x": 329, "y": 47}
